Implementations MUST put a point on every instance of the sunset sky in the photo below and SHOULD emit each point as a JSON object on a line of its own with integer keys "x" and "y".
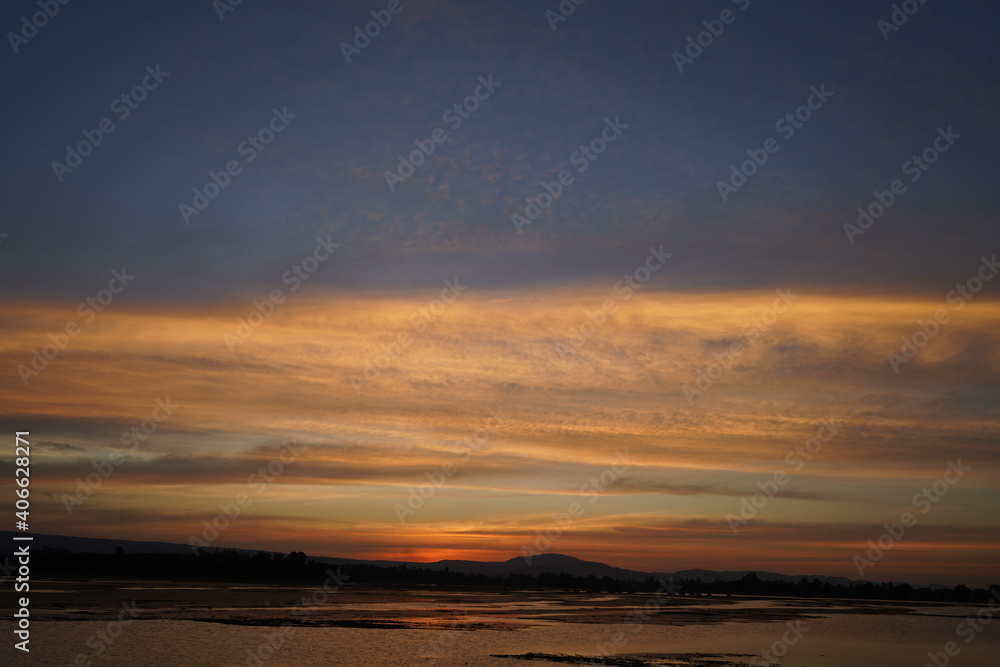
{"x": 365, "y": 326}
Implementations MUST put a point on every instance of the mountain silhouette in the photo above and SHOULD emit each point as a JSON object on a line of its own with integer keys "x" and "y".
{"x": 525, "y": 565}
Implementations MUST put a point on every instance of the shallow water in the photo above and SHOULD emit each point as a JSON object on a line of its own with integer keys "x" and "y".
{"x": 239, "y": 626}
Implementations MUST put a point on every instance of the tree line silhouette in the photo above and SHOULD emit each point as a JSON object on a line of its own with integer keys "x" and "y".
{"x": 233, "y": 565}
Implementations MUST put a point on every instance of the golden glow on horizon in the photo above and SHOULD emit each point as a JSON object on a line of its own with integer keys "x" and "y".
{"x": 563, "y": 419}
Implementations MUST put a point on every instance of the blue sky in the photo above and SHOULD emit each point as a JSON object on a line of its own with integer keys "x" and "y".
{"x": 658, "y": 183}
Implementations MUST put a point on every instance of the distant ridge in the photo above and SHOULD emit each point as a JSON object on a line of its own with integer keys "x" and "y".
{"x": 557, "y": 563}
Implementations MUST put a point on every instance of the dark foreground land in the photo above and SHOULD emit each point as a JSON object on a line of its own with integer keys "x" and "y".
{"x": 296, "y": 567}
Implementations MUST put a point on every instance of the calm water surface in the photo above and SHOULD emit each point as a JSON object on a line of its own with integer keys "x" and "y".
{"x": 470, "y": 632}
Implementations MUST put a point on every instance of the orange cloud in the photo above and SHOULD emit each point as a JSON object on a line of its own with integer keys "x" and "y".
{"x": 366, "y": 443}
